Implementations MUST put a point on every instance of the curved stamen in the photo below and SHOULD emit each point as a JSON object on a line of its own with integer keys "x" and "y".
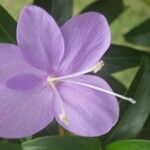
{"x": 62, "y": 116}
{"x": 98, "y": 66}
{"x": 94, "y": 69}
{"x": 102, "y": 90}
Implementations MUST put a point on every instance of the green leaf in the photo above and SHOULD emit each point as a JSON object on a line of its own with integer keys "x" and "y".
{"x": 129, "y": 145}
{"x": 135, "y": 13}
{"x": 61, "y": 10}
{"x": 7, "y": 27}
{"x": 116, "y": 85}
{"x": 136, "y": 115}
{"x": 119, "y": 58}
{"x": 109, "y": 8}
{"x": 51, "y": 129}
{"x": 62, "y": 143}
{"x": 46, "y": 4}
{"x": 5, "y": 145}
{"x": 140, "y": 35}
{"x": 147, "y": 2}
{"x": 145, "y": 133}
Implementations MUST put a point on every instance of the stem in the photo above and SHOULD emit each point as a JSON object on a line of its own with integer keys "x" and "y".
{"x": 61, "y": 131}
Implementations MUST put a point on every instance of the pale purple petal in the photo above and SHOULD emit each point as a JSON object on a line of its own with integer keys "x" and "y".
{"x": 24, "y": 112}
{"x": 87, "y": 37}
{"x": 90, "y": 112}
{"x": 24, "y": 82}
{"x": 25, "y": 100}
{"x": 40, "y": 39}
{"x": 12, "y": 63}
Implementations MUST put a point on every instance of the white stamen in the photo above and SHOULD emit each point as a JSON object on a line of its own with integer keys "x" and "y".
{"x": 103, "y": 90}
{"x": 94, "y": 69}
{"x": 62, "y": 116}
{"x": 98, "y": 66}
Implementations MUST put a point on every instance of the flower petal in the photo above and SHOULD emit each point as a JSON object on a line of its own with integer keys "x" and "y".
{"x": 23, "y": 82}
{"x": 23, "y": 113}
{"x": 12, "y": 63}
{"x": 87, "y": 37}
{"x": 89, "y": 112}
{"x": 40, "y": 39}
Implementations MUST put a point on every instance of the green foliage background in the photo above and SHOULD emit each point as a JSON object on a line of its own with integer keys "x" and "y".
{"x": 127, "y": 70}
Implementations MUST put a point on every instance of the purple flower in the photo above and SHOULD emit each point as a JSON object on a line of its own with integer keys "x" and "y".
{"x": 43, "y": 77}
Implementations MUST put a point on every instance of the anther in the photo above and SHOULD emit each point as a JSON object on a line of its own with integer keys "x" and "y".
{"x": 64, "y": 118}
{"x": 131, "y": 100}
{"x": 98, "y": 66}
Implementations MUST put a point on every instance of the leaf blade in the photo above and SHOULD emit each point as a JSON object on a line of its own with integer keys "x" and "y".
{"x": 63, "y": 143}
{"x": 45, "y": 4}
{"x": 107, "y": 7}
{"x": 140, "y": 35}
{"x": 61, "y": 10}
{"x": 129, "y": 145}
{"x": 119, "y": 58}
{"x": 7, "y": 27}
{"x": 5, "y": 145}
{"x": 132, "y": 122}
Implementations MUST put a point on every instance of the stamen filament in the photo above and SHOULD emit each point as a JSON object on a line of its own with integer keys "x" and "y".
{"x": 102, "y": 90}
{"x": 94, "y": 69}
{"x": 58, "y": 96}
{"x": 62, "y": 116}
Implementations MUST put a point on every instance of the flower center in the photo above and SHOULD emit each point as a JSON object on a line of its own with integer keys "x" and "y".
{"x": 53, "y": 80}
